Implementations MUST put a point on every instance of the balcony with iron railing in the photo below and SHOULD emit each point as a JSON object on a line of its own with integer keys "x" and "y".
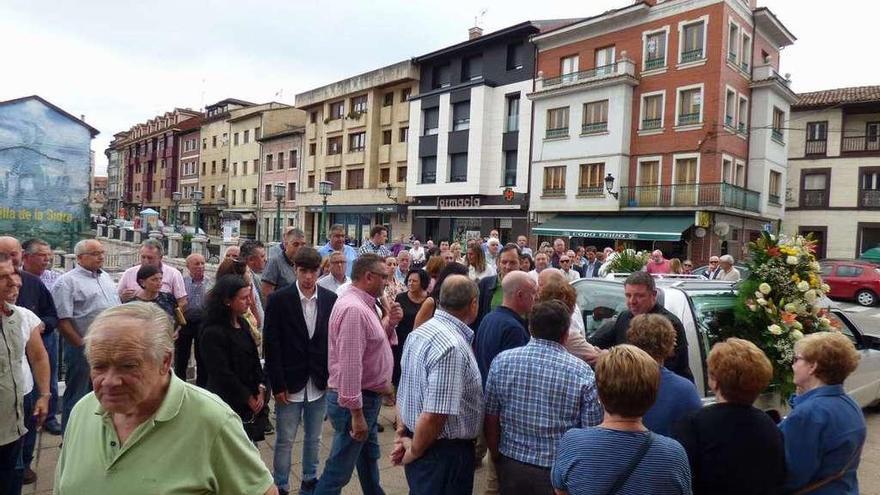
{"x": 699, "y": 195}
{"x": 591, "y": 191}
{"x": 691, "y": 55}
{"x": 655, "y": 63}
{"x": 650, "y": 124}
{"x": 728, "y": 120}
{"x": 688, "y": 118}
{"x": 594, "y": 128}
{"x": 731, "y": 57}
{"x": 777, "y": 135}
{"x": 741, "y": 128}
{"x": 623, "y": 67}
{"x": 816, "y": 147}
{"x": 814, "y": 198}
{"x": 556, "y": 133}
{"x": 869, "y": 198}
{"x": 774, "y": 199}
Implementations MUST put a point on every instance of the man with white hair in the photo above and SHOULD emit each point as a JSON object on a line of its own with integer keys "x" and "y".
{"x": 80, "y": 295}
{"x": 493, "y": 246}
{"x": 151, "y": 253}
{"x": 403, "y": 266}
{"x": 120, "y": 436}
{"x": 713, "y": 271}
{"x": 729, "y": 273}
{"x": 657, "y": 263}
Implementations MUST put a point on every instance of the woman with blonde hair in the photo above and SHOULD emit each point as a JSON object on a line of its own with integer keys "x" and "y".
{"x": 825, "y": 431}
{"x": 478, "y": 268}
{"x": 733, "y": 447}
{"x": 675, "y": 267}
{"x": 621, "y": 455}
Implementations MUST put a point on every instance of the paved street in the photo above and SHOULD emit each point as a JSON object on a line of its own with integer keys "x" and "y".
{"x": 867, "y": 319}
{"x": 393, "y": 479}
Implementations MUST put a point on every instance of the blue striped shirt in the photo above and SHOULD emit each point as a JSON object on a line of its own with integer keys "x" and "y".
{"x": 590, "y": 460}
{"x": 540, "y": 391}
{"x": 439, "y": 375}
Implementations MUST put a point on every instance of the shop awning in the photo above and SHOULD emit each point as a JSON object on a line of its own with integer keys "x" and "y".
{"x": 628, "y": 227}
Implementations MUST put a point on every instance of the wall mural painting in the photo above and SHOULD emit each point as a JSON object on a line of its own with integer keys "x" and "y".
{"x": 44, "y": 172}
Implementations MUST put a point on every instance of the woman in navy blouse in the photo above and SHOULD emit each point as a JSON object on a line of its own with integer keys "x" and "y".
{"x": 826, "y": 429}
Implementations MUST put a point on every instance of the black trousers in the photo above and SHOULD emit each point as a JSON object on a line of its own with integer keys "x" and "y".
{"x": 186, "y": 337}
{"x": 516, "y": 478}
{"x": 10, "y": 478}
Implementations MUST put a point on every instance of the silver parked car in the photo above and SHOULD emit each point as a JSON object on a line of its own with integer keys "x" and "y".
{"x": 705, "y": 306}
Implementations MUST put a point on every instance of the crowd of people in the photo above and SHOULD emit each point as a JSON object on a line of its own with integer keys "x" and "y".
{"x": 481, "y": 350}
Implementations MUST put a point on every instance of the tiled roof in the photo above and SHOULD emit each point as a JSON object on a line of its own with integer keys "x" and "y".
{"x": 830, "y": 97}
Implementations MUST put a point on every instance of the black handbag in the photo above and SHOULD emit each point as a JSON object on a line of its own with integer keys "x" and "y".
{"x": 255, "y": 426}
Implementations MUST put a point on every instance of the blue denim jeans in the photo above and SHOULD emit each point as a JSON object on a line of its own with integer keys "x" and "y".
{"x": 346, "y": 453}
{"x": 287, "y": 420}
{"x": 446, "y": 468}
{"x": 77, "y": 381}
{"x": 50, "y": 341}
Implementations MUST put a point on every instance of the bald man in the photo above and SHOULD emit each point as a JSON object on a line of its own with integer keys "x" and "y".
{"x": 505, "y": 327}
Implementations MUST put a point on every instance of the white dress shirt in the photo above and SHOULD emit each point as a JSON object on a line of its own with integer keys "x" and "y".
{"x": 310, "y": 314}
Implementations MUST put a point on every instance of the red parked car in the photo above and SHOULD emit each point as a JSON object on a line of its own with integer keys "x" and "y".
{"x": 857, "y": 280}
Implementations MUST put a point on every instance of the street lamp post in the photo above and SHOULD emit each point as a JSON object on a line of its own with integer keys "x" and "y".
{"x": 279, "y": 195}
{"x": 197, "y": 196}
{"x": 175, "y": 198}
{"x": 325, "y": 189}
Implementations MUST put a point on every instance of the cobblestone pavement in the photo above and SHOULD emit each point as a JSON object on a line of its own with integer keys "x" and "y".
{"x": 393, "y": 479}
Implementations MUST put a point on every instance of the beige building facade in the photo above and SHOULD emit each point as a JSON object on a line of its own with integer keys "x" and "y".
{"x": 833, "y": 188}
{"x": 356, "y": 137}
{"x": 214, "y": 166}
{"x": 242, "y": 197}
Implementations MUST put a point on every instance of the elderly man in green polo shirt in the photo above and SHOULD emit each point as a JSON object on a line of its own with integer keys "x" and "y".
{"x": 143, "y": 430}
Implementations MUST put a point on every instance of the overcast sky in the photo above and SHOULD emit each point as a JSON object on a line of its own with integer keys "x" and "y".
{"x": 120, "y": 62}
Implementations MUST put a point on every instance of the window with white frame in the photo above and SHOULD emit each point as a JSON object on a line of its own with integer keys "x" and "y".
{"x": 746, "y": 53}
{"x": 742, "y": 114}
{"x": 595, "y": 117}
{"x": 649, "y": 172}
{"x": 554, "y": 180}
{"x": 652, "y": 110}
{"x": 690, "y": 106}
{"x": 568, "y": 68}
{"x": 773, "y": 189}
{"x": 655, "y": 50}
{"x": 605, "y": 61}
{"x": 730, "y": 104}
{"x": 692, "y": 45}
{"x": 726, "y": 169}
{"x": 685, "y": 170}
{"x": 733, "y": 42}
{"x": 740, "y": 178}
{"x": 778, "y": 125}
{"x": 592, "y": 178}
{"x": 557, "y": 122}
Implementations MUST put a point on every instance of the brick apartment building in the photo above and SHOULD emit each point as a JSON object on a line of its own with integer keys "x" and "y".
{"x": 149, "y": 162}
{"x": 661, "y": 124}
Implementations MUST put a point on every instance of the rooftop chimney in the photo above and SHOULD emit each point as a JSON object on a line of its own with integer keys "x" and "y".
{"x": 475, "y": 32}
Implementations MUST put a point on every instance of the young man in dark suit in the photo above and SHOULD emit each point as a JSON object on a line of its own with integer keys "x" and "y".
{"x": 295, "y": 339}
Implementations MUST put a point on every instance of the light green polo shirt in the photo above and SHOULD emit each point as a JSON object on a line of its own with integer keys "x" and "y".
{"x": 193, "y": 444}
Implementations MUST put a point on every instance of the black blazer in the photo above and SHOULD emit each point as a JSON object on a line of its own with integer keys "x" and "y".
{"x": 487, "y": 290}
{"x": 291, "y": 357}
{"x": 232, "y": 364}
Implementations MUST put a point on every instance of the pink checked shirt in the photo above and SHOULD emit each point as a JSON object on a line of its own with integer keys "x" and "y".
{"x": 359, "y": 352}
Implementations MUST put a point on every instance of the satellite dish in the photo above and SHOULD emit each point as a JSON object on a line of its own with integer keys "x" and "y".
{"x": 699, "y": 232}
{"x": 721, "y": 229}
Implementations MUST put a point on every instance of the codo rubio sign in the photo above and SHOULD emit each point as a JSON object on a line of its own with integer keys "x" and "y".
{"x": 456, "y": 203}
